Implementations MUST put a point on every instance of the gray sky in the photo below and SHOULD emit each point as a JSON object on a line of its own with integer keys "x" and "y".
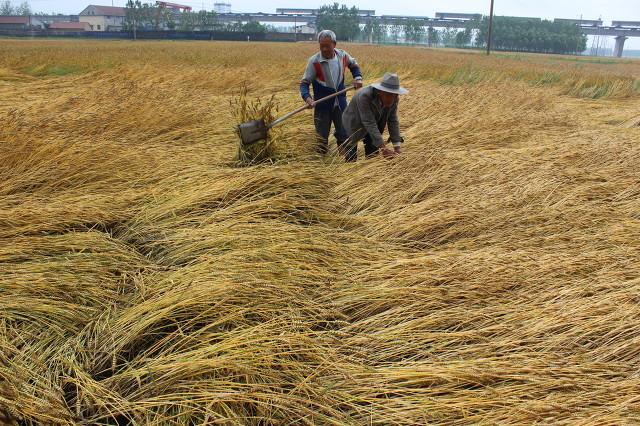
{"x": 627, "y": 10}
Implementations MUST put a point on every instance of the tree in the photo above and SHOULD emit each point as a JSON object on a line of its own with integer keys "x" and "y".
{"x": 463, "y": 38}
{"x": 249, "y": 27}
{"x": 343, "y": 21}
{"x": 6, "y": 8}
{"x": 395, "y": 32}
{"x": 413, "y": 31}
{"x": 171, "y": 24}
{"x": 133, "y": 17}
{"x": 147, "y": 16}
{"x": 160, "y": 17}
{"x": 24, "y": 9}
{"x": 532, "y": 35}
{"x": 254, "y": 27}
{"x": 433, "y": 37}
{"x": 188, "y": 21}
{"x": 373, "y": 32}
{"x": 448, "y": 36}
{"x": 207, "y": 21}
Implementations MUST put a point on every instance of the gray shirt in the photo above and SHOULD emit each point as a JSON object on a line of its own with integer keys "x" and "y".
{"x": 366, "y": 114}
{"x": 334, "y": 69}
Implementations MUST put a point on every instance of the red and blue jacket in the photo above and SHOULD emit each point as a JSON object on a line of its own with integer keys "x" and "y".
{"x": 319, "y": 75}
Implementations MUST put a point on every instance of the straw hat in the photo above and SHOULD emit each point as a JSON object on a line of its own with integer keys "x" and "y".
{"x": 390, "y": 83}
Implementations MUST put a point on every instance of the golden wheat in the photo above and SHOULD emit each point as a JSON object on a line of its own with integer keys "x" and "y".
{"x": 488, "y": 275}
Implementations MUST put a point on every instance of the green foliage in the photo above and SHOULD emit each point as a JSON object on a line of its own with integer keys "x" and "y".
{"x": 463, "y": 38}
{"x": 254, "y": 27}
{"x": 24, "y": 9}
{"x": 448, "y": 36}
{"x": 46, "y": 70}
{"x": 433, "y": 36}
{"x": 188, "y": 21}
{"x": 6, "y": 8}
{"x": 133, "y": 15}
{"x": 531, "y": 35}
{"x": 342, "y": 20}
{"x": 249, "y": 27}
{"x": 145, "y": 16}
{"x": 395, "y": 32}
{"x": 414, "y": 31}
{"x": 374, "y": 31}
{"x": 207, "y": 21}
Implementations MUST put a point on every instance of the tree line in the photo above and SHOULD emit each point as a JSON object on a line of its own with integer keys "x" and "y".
{"x": 509, "y": 33}
{"x": 145, "y": 16}
{"x": 531, "y": 35}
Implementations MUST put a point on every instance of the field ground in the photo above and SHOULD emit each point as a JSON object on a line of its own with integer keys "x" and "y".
{"x": 488, "y": 275}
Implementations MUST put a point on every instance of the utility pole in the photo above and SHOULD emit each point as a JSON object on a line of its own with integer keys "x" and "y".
{"x": 490, "y": 28}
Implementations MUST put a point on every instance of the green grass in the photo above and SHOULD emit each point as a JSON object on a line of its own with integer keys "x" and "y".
{"x": 466, "y": 75}
{"x": 549, "y": 78}
{"x": 49, "y": 70}
{"x": 591, "y": 60}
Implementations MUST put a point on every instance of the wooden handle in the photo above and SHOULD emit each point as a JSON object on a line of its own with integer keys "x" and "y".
{"x": 302, "y": 108}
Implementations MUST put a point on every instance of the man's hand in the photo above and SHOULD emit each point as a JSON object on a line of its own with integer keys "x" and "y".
{"x": 310, "y": 102}
{"x": 396, "y": 144}
{"x": 387, "y": 153}
{"x": 357, "y": 84}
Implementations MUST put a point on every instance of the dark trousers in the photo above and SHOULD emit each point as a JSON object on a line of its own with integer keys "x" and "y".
{"x": 323, "y": 120}
{"x": 370, "y": 149}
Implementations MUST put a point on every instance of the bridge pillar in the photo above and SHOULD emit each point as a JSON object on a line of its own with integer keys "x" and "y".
{"x": 619, "y": 45}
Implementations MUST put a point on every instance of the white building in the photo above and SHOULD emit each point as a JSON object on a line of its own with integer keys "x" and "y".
{"x": 103, "y": 18}
{"x": 222, "y": 7}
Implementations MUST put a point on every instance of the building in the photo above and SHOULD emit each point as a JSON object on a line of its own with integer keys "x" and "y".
{"x": 44, "y": 20}
{"x": 581, "y": 22}
{"x": 14, "y": 22}
{"x": 70, "y": 26}
{"x": 103, "y": 18}
{"x": 458, "y": 16}
{"x": 305, "y": 29}
{"x": 222, "y": 7}
{"x": 626, "y": 24}
{"x": 286, "y": 11}
{"x": 174, "y": 7}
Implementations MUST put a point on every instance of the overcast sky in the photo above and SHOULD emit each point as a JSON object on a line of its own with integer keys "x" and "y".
{"x": 627, "y": 10}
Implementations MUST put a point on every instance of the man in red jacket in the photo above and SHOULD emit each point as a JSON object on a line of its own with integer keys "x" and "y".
{"x": 326, "y": 73}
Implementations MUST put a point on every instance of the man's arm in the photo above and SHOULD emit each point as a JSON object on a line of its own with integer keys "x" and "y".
{"x": 355, "y": 71}
{"x": 369, "y": 123}
{"x": 394, "y": 128}
{"x": 307, "y": 78}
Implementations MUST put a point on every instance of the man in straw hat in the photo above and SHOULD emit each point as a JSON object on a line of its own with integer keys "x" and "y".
{"x": 369, "y": 112}
{"x": 326, "y": 72}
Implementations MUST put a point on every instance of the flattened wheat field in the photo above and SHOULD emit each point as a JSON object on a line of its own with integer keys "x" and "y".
{"x": 488, "y": 275}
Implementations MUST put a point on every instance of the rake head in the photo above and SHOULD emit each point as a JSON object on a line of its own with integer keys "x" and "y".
{"x": 252, "y": 131}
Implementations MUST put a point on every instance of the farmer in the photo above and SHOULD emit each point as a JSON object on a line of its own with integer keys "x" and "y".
{"x": 369, "y": 112}
{"x": 326, "y": 72}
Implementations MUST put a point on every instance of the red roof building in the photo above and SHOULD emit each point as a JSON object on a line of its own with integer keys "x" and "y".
{"x": 14, "y": 22}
